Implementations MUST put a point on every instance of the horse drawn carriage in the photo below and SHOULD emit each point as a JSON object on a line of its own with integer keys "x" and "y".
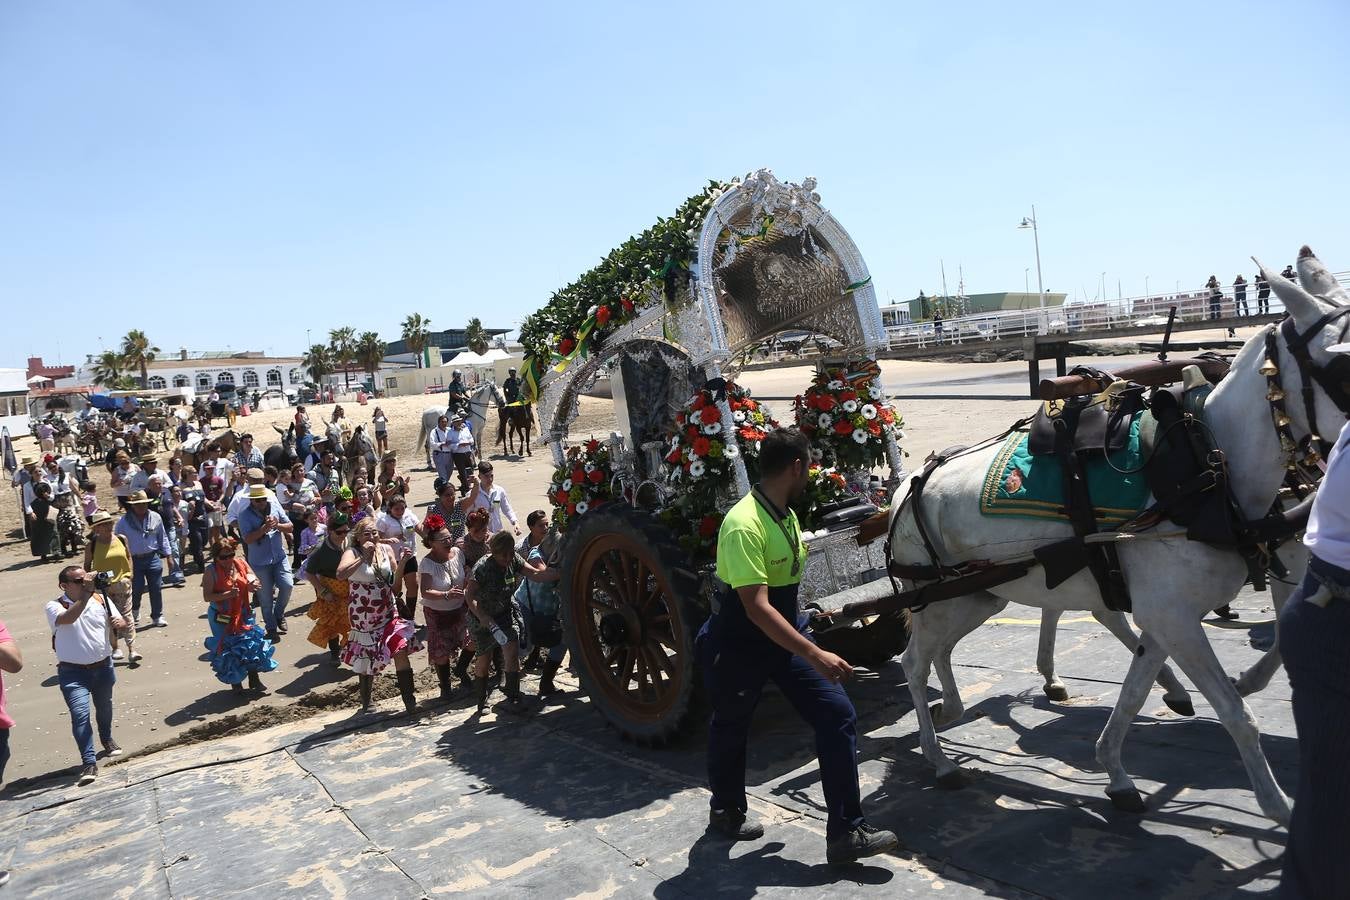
{"x": 670, "y": 317}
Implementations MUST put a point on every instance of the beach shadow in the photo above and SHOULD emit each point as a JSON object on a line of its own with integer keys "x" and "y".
{"x": 219, "y": 701}
{"x": 710, "y": 870}
{"x": 319, "y": 672}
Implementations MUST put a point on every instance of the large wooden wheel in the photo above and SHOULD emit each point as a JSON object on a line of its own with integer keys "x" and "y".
{"x": 631, "y": 609}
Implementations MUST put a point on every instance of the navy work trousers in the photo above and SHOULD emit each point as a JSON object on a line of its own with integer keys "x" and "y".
{"x": 1315, "y": 644}
{"x": 734, "y": 672}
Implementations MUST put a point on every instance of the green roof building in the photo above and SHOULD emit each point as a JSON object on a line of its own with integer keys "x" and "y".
{"x": 921, "y": 307}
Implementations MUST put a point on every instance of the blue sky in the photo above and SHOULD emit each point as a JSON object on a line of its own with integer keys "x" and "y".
{"x": 232, "y": 174}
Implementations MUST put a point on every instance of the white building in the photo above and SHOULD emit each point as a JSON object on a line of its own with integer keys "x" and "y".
{"x": 14, "y": 400}
{"x": 202, "y": 371}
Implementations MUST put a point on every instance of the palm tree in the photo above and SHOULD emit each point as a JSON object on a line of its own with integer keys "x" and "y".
{"x": 370, "y": 350}
{"x": 475, "y": 338}
{"x": 342, "y": 342}
{"x": 318, "y": 361}
{"x": 416, "y": 331}
{"x": 138, "y": 352}
{"x": 110, "y": 370}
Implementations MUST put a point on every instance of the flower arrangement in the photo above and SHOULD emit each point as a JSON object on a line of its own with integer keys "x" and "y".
{"x": 632, "y": 277}
{"x": 845, "y": 414}
{"x": 700, "y": 461}
{"x": 582, "y": 483}
{"x": 823, "y": 485}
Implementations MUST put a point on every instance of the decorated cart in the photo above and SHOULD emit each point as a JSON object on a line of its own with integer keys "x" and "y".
{"x": 669, "y": 317}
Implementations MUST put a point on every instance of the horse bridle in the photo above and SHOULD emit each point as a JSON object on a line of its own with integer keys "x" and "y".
{"x": 1333, "y": 378}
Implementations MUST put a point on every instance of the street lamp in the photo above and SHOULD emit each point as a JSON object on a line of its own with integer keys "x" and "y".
{"x": 1030, "y": 222}
{"x": 307, "y": 343}
{"x": 1026, "y": 280}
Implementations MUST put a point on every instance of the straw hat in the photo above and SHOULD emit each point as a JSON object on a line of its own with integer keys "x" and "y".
{"x": 137, "y": 498}
{"x": 149, "y": 458}
{"x": 255, "y": 473}
{"x": 25, "y": 461}
{"x": 392, "y": 454}
{"x": 257, "y": 492}
{"x": 101, "y": 516}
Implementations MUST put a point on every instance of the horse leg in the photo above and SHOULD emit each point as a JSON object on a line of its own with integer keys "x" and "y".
{"x": 1258, "y": 676}
{"x": 963, "y": 621}
{"x": 1175, "y": 695}
{"x": 1045, "y": 656}
{"x": 1148, "y": 659}
{"x": 1191, "y": 649}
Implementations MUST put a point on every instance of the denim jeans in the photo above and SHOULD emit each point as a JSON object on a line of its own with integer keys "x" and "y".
{"x": 175, "y": 555}
{"x": 275, "y": 592}
{"x": 79, "y": 685}
{"x": 147, "y": 574}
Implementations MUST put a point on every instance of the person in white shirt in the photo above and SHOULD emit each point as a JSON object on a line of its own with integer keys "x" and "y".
{"x": 462, "y": 451}
{"x": 80, "y": 621}
{"x": 240, "y": 501}
{"x": 1314, "y": 633}
{"x": 224, "y": 468}
{"x": 400, "y": 529}
{"x": 441, "y": 445}
{"x": 492, "y": 497}
{"x": 149, "y": 469}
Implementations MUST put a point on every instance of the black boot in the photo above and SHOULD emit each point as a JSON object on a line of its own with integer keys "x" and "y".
{"x": 514, "y": 698}
{"x": 405, "y": 688}
{"x": 365, "y": 683}
{"x": 462, "y": 668}
{"x": 333, "y": 648}
{"x": 255, "y": 684}
{"x": 532, "y": 661}
{"x": 547, "y": 688}
{"x": 237, "y": 687}
{"x": 443, "y": 678}
{"x": 480, "y": 685}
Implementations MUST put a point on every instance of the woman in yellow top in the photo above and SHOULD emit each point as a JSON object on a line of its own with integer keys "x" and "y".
{"x": 107, "y": 551}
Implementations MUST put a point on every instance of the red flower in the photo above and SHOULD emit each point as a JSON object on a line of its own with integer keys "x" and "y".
{"x": 602, "y": 316}
{"x": 710, "y": 415}
{"x": 560, "y": 498}
{"x": 847, "y": 395}
{"x": 592, "y": 445}
{"x": 701, "y": 446}
{"x": 626, "y": 304}
{"x": 679, "y": 419}
{"x": 824, "y": 402}
{"x": 565, "y": 346}
{"x": 874, "y": 428}
{"x": 578, "y": 476}
{"x": 692, "y": 433}
{"x": 673, "y": 457}
{"x": 708, "y": 526}
{"x": 843, "y": 426}
{"x": 571, "y": 509}
{"x": 596, "y": 476}
{"x": 698, "y": 402}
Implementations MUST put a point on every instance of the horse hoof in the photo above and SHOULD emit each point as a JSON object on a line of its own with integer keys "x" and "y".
{"x": 1056, "y": 693}
{"x": 1182, "y": 707}
{"x": 1128, "y": 800}
{"x": 953, "y": 780}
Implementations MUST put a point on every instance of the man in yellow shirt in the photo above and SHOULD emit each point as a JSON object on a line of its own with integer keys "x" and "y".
{"x": 757, "y": 633}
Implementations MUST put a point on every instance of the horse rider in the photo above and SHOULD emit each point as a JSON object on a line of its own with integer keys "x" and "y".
{"x": 456, "y": 396}
{"x": 511, "y": 387}
{"x": 757, "y": 633}
{"x": 1314, "y": 631}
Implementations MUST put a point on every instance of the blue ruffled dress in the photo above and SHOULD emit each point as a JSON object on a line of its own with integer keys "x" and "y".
{"x": 233, "y": 656}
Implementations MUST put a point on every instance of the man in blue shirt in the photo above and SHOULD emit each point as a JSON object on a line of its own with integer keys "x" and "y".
{"x": 149, "y": 545}
{"x": 264, "y": 533}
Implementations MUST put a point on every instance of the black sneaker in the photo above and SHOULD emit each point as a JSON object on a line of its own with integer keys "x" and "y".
{"x": 112, "y": 749}
{"x": 733, "y": 825}
{"x": 87, "y": 775}
{"x": 858, "y": 843}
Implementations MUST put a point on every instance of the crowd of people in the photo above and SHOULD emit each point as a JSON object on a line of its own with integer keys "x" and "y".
{"x": 251, "y": 532}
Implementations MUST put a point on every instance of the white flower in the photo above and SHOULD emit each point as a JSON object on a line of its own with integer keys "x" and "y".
{"x": 567, "y": 484}
{"x": 713, "y": 428}
{"x": 860, "y": 436}
{"x": 850, "y": 406}
{"x": 835, "y": 385}
{"x": 592, "y": 311}
{"x": 874, "y": 392}
{"x": 582, "y": 507}
{"x": 817, "y": 454}
{"x": 738, "y": 416}
{"x": 589, "y": 468}
{"x": 696, "y": 468}
{"x": 824, "y": 421}
{"x": 553, "y": 488}
{"x": 869, "y": 411}
{"x": 731, "y": 451}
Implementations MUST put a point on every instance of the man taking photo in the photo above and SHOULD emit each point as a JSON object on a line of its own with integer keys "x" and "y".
{"x": 80, "y": 620}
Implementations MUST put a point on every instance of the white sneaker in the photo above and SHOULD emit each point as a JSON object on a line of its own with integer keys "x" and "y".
{"x": 117, "y": 654}
{"x": 136, "y": 656}
{"x": 161, "y": 622}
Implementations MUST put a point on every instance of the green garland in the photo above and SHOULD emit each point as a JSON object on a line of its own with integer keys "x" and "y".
{"x": 627, "y": 281}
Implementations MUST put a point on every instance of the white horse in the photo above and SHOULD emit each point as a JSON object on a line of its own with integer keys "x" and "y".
{"x": 478, "y": 407}
{"x": 1173, "y": 582}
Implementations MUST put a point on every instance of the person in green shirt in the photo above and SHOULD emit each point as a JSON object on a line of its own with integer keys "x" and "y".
{"x": 757, "y": 633}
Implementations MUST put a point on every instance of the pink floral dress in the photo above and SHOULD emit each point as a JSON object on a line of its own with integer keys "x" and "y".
{"x": 377, "y": 631}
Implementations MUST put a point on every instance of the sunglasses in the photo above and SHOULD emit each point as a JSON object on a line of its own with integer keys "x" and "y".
{"x": 340, "y": 531}
{"x": 225, "y": 556}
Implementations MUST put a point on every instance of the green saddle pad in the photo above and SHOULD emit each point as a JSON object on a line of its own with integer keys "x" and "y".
{"x": 1032, "y": 487}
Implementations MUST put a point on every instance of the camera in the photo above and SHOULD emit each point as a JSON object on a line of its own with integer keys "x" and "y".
{"x": 102, "y": 580}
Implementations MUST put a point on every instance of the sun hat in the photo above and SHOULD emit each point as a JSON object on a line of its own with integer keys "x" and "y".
{"x": 101, "y": 517}
{"x": 137, "y": 497}
{"x": 257, "y": 492}
{"x": 255, "y": 472}
{"x": 25, "y": 461}
{"x": 149, "y": 458}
